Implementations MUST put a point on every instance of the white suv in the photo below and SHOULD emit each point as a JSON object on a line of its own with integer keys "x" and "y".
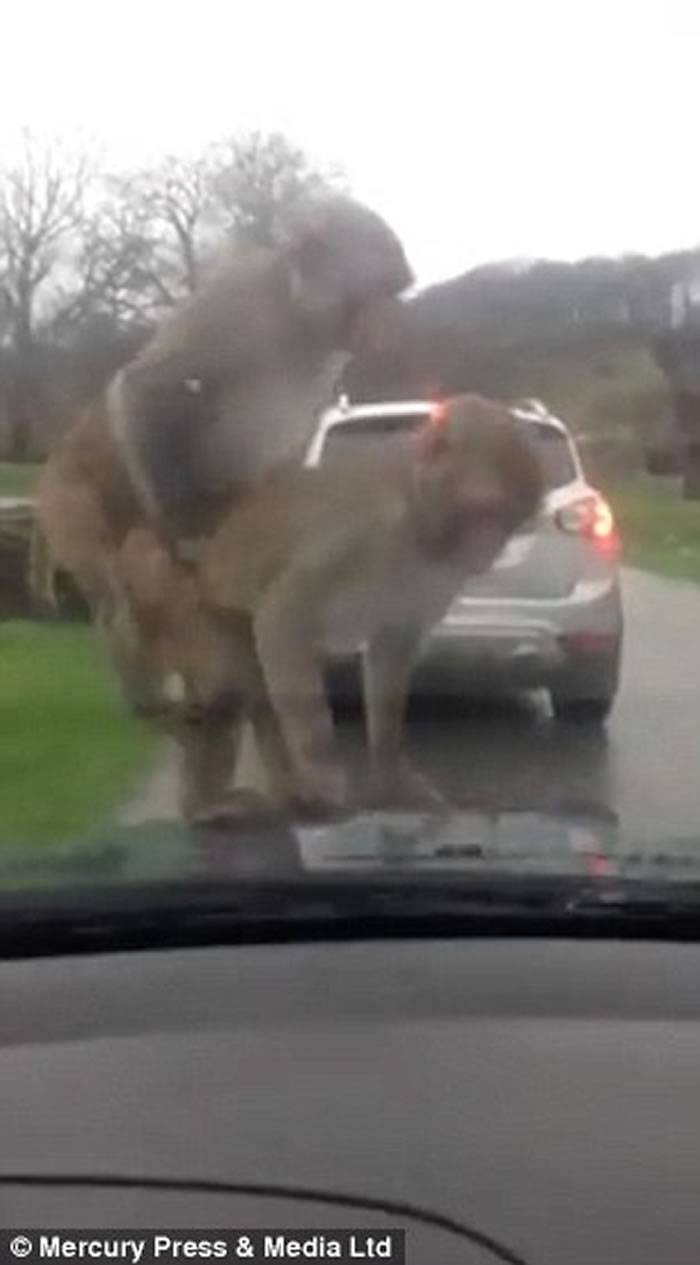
{"x": 549, "y": 612}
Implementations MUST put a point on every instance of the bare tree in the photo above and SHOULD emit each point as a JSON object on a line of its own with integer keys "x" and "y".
{"x": 143, "y": 249}
{"x": 115, "y": 270}
{"x": 89, "y": 262}
{"x": 175, "y": 199}
{"x": 41, "y": 206}
{"x": 258, "y": 178}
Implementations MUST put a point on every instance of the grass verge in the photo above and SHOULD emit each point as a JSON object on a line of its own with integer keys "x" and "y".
{"x": 68, "y": 751}
{"x": 660, "y": 531}
{"x": 18, "y": 480}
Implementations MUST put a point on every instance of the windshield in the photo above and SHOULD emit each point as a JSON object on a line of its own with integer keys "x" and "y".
{"x": 470, "y": 654}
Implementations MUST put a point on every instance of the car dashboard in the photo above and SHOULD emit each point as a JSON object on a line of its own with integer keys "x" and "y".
{"x": 542, "y": 1092}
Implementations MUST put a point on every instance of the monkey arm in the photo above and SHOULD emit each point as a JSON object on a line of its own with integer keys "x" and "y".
{"x": 159, "y": 412}
{"x": 388, "y": 665}
{"x": 289, "y": 625}
{"x": 387, "y": 668}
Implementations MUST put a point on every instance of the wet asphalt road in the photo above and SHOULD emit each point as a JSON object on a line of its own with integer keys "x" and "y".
{"x": 641, "y": 775}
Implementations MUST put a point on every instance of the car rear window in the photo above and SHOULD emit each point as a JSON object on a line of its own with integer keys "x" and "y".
{"x": 552, "y": 446}
{"x": 554, "y": 452}
{"x": 369, "y": 430}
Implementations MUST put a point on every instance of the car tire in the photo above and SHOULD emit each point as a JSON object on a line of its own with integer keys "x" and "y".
{"x": 582, "y": 711}
{"x": 585, "y": 693}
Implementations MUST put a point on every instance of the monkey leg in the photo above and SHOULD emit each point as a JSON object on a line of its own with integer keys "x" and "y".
{"x": 388, "y": 665}
{"x": 141, "y": 678}
{"x": 221, "y": 697}
{"x": 243, "y": 672}
{"x": 312, "y": 791}
{"x": 296, "y": 689}
{"x": 209, "y": 744}
{"x": 156, "y": 630}
{"x": 210, "y": 748}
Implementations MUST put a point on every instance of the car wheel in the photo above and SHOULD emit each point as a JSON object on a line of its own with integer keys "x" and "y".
{"x": 583, "y": 711}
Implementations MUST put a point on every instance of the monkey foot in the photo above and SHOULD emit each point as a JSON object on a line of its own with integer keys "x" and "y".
{"x": 404, "y": 788}
{"x": 231, "y": 809}
{"x": 318, "y": 811}
{"x": 319, "y": 793}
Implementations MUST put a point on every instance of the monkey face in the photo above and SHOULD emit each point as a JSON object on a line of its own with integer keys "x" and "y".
{"x": 346, "y": 265}
{"x": 476, "y": 481}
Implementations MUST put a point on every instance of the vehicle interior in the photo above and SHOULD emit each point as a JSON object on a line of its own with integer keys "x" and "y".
{"x": 533, "y": 1091}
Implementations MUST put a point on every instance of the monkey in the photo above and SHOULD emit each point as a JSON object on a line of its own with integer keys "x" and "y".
{"x": 232, "y": 384}
{"x": 364, "y": 555}
{"x": 226, "y": 390}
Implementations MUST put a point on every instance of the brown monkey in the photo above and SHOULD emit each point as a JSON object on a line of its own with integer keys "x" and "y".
{"x": 366, "y": 554}
{"x": 225, "y": 391}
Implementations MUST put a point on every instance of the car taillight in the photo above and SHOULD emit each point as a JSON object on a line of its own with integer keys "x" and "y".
{"x": 591, "y": 517}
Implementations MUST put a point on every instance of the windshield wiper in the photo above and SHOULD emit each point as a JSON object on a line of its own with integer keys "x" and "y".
{"x": 160, "y": 915}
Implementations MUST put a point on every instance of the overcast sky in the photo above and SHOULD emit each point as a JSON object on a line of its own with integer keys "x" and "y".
{"x": 481, "y": 130}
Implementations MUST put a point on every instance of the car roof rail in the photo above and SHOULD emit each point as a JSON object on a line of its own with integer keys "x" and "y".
{"x": 529, "y": 404}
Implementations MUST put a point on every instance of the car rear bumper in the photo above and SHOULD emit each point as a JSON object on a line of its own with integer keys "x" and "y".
{"x": 493, "y": 644}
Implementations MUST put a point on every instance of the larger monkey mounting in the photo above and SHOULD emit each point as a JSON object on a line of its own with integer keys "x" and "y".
{"x": 227, "y": 389}
{"x": 231, "y": 385}
{"x": 364, "y": 555}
